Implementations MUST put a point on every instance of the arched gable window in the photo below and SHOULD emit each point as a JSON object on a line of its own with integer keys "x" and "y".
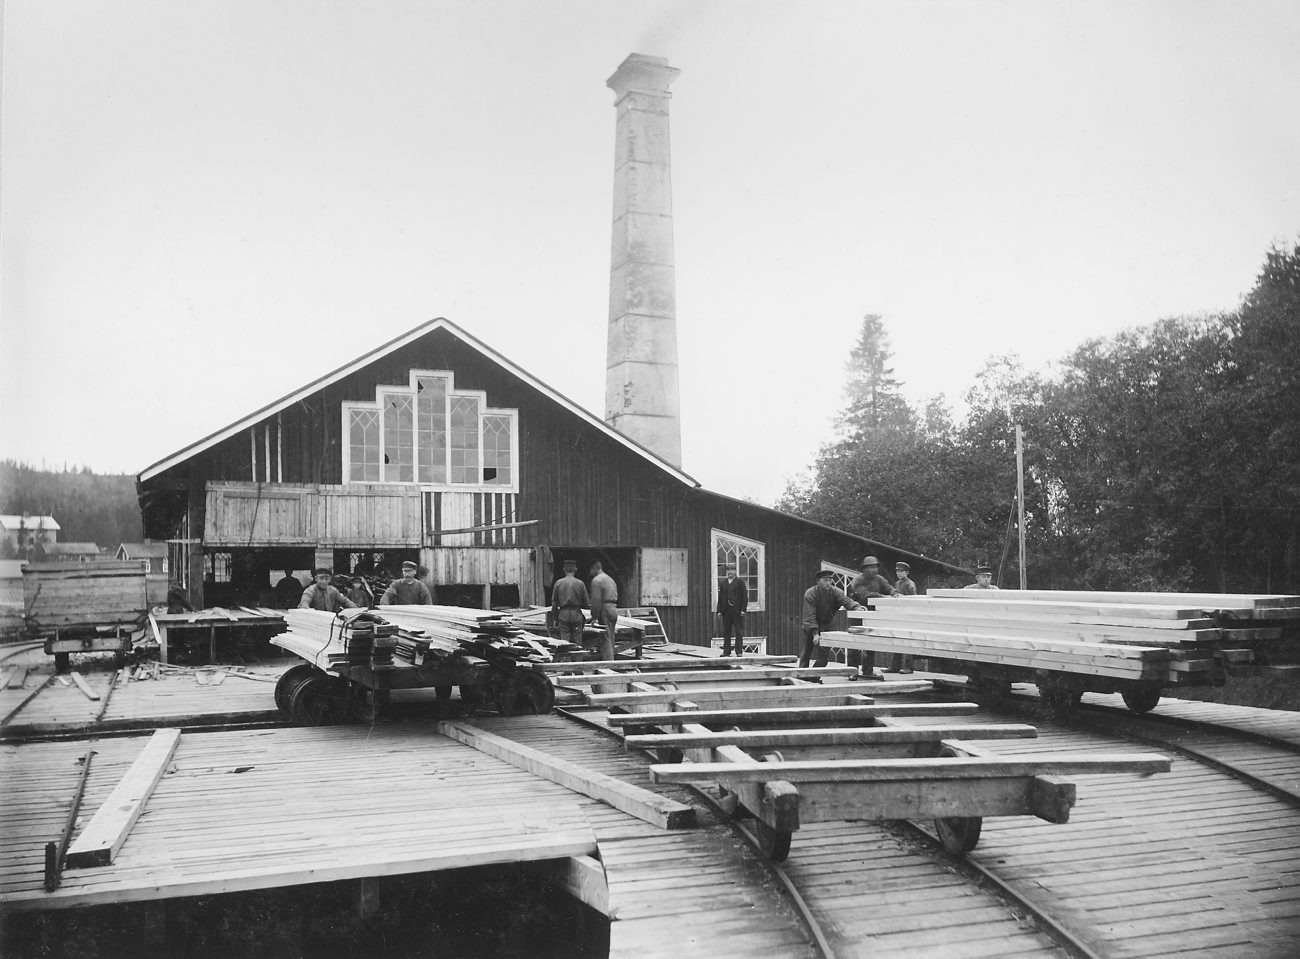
{"x": 431, "y": 434}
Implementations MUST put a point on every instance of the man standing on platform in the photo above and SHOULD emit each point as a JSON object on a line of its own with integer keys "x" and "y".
{"x": 604, "y": 607}
{"x": 820, "y": 604}
{"x": 288, "y": 591}
{"x": 983, "y": 578}
{"x": 407, "y": 591}
{"x": 902, "y": 662}
{"x": 865, "y": 585}
{"x": 568, "y": 600}
{"x": 733, "y": 600}
{"x": 323, "y": 596}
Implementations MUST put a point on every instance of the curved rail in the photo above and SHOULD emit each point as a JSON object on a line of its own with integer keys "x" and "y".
{"x": 7, "y": 651}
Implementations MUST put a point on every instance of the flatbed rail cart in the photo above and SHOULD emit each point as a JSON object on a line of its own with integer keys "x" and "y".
{"x": 788, "y": 772}
{"x": 79, "y": 607}
{"x": 349, "y": 673}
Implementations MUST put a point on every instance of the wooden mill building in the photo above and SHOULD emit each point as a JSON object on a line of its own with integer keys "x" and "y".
{"x": 433, "y": 447}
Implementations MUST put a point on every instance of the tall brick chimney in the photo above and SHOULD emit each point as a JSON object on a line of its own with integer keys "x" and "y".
{"x": 641, "y": 387}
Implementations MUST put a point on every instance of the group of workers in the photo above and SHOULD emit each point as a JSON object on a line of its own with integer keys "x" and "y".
{"x": 330, "y": 592}
{"x": 822, "y": 601}
{"x": 570, "y": 597}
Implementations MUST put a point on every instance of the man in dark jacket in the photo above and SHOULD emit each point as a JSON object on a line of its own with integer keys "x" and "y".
{"x": 733, "y": 600}
{"x": 865, "y": 585}
{"x": 322, "y": 595}
{"x": 820, "y": 604}
{"x": 568, "y": 600}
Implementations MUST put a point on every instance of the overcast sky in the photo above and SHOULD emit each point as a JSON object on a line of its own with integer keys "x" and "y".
{"x": 208, "y": 203}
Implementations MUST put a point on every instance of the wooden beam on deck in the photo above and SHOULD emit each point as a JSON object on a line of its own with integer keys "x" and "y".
{"x": 859, "y": 736}
{"x": 646, "y": 805}
{"x": 100, "y": 841}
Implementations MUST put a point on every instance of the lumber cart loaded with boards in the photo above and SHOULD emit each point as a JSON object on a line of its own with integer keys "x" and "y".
{"x": 356, "y": 659}
{"x": 1067, "y": 643}
{"x": 789, "y": 751}
{"x": 93, "y": 607}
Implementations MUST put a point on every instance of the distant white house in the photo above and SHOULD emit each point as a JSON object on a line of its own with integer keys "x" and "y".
{"x": 67, "y": 552}
{"x": 155, "y": 554}
{"x": 19, "y": 534}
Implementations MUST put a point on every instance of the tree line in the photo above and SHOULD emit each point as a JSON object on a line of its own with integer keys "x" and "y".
{"x": 89, "y": 507}
{"x": 1163, "y": 458}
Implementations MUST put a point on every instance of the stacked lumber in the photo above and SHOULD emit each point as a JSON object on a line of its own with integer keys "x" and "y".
{"x": 359, "y": 639}
{"x": 1180, "y": 640}
{"x": 1220, "y": 606}
{"x": 478, "y": 632}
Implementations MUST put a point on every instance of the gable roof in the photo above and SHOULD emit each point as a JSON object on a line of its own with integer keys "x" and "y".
{"x": 405, "y": 339}
{"x": 142, "y": 550}
{"x": 13, "y": 521}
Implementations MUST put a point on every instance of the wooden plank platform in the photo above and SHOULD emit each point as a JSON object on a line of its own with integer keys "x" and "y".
{"x": 174, "y": 699}
{"x": 269, "y": 808}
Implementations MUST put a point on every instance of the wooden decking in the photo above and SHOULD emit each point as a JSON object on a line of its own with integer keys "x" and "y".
{"x": 272, "y": 808}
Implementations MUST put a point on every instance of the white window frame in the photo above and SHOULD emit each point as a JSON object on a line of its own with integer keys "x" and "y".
{"x": 717, "y": 535}
{"x": 412, "y": 390}
{"x": 843, "y": 575}
{"x": 752, "y": 645}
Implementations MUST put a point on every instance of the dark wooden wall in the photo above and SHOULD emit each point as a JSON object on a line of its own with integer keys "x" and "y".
{"x": 586, "y": 488}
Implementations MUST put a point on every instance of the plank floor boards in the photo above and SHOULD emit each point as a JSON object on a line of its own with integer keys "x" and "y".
{"x": 381, "y": 801}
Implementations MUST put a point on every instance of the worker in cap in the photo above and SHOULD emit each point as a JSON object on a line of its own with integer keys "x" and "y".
{"x": 901, "y": 662}
{"x": 323, "y": 595}
{"x": 569, "y": 604}
{"x": 820, "y": 604}
{"x": 983, "y": 578}
{"x": 866, "y": 586}
{"x": 407, "y": 591}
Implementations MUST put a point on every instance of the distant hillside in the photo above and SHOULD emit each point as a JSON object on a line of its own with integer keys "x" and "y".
{"x": 89, "y": 507}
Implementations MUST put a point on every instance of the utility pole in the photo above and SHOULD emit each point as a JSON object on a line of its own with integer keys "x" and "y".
{"x": 1020, "y": 500}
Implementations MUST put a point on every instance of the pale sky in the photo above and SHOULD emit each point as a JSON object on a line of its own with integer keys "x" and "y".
{"x": 205, "y": 204}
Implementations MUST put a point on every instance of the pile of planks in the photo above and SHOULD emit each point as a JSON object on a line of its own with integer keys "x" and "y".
{"x": 1174, "y": 639}
{"x": 415, "y": 636}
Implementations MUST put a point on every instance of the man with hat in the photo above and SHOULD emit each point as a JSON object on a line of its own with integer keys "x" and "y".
{"x": 358, "y": 591}
{"x": 733, "y": 600}
{"x": 322, "y": 595}
{"x": 865, "y": 585}
{"x": 983, "y": 578}
{"x": 902, "y": 662}
{"x": 568, "y": 600}
{"x": 407, "y": 591}
{"x": 820, "y": 604}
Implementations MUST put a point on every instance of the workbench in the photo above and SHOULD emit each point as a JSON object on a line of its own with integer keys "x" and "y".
{"x": 209, "y": 622}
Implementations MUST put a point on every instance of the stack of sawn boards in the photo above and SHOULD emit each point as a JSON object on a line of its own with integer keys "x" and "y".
{"x": 426, "y": 633}
{"x": 1173, "y": 638}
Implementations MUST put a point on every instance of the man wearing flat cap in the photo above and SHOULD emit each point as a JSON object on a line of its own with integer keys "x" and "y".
{"x": 902, "y": 662}
{"x": 983, "y": 578}
{"x": 820, "y": 604}
{"x": 322, "y": 595}
{"x": 865, "y": 585}
{"x": 407, "y": 591}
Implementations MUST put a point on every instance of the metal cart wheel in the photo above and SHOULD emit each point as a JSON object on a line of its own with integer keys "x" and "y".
{"x": 959, "y": 834}
{"x": 315, "y": 701}
{"x": 772, "y": 842}
{"x": 1141, "y": 700}
{"x": 525, "y": 693}
{"x": 989, "y": 689}
{"x": 286, "y": 684}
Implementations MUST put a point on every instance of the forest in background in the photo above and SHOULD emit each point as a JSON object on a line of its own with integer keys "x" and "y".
{"x": 89, "y": 507}
{"x": 1163, "y": 458}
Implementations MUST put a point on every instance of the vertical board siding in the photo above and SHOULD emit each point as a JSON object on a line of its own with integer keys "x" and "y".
{"x": 584, "y": 488}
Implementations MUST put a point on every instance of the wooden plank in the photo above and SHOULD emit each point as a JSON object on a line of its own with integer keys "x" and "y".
{"x": 896, "y": 770}
{"x": 84, "y": 686}
{"x": 100, "y": 841}
{"x": 663, "y": 662}
{"x": 642, "y": 803}
{"x": 1201, "y": 600}
{"x": 15, "y": 678}
{"x": 766, "y": 696}
{"x": 1009, "y": 605}
{"x": 793, "y": 715}
{"x": 583, "y": 877}
{"x": 865, "y": 736}
{"x": 739, "y": 675}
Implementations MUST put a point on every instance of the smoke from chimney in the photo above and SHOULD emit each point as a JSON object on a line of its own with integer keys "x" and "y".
{"x": 641, "y": 381}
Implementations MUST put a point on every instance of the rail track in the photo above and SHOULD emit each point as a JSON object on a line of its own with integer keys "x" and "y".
{"x": 1171, "y": 863}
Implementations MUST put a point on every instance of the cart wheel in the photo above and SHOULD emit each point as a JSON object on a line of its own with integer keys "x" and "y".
{"x": 62, "y": 661}
{"x": 286, "y": 684}
{"x": 772, "y": 842}
{"x": 526, "y": 693}
{"x": 959, "y": 834}
{"x": 315, "y": 701}
{"x": 1141, "y": 700}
